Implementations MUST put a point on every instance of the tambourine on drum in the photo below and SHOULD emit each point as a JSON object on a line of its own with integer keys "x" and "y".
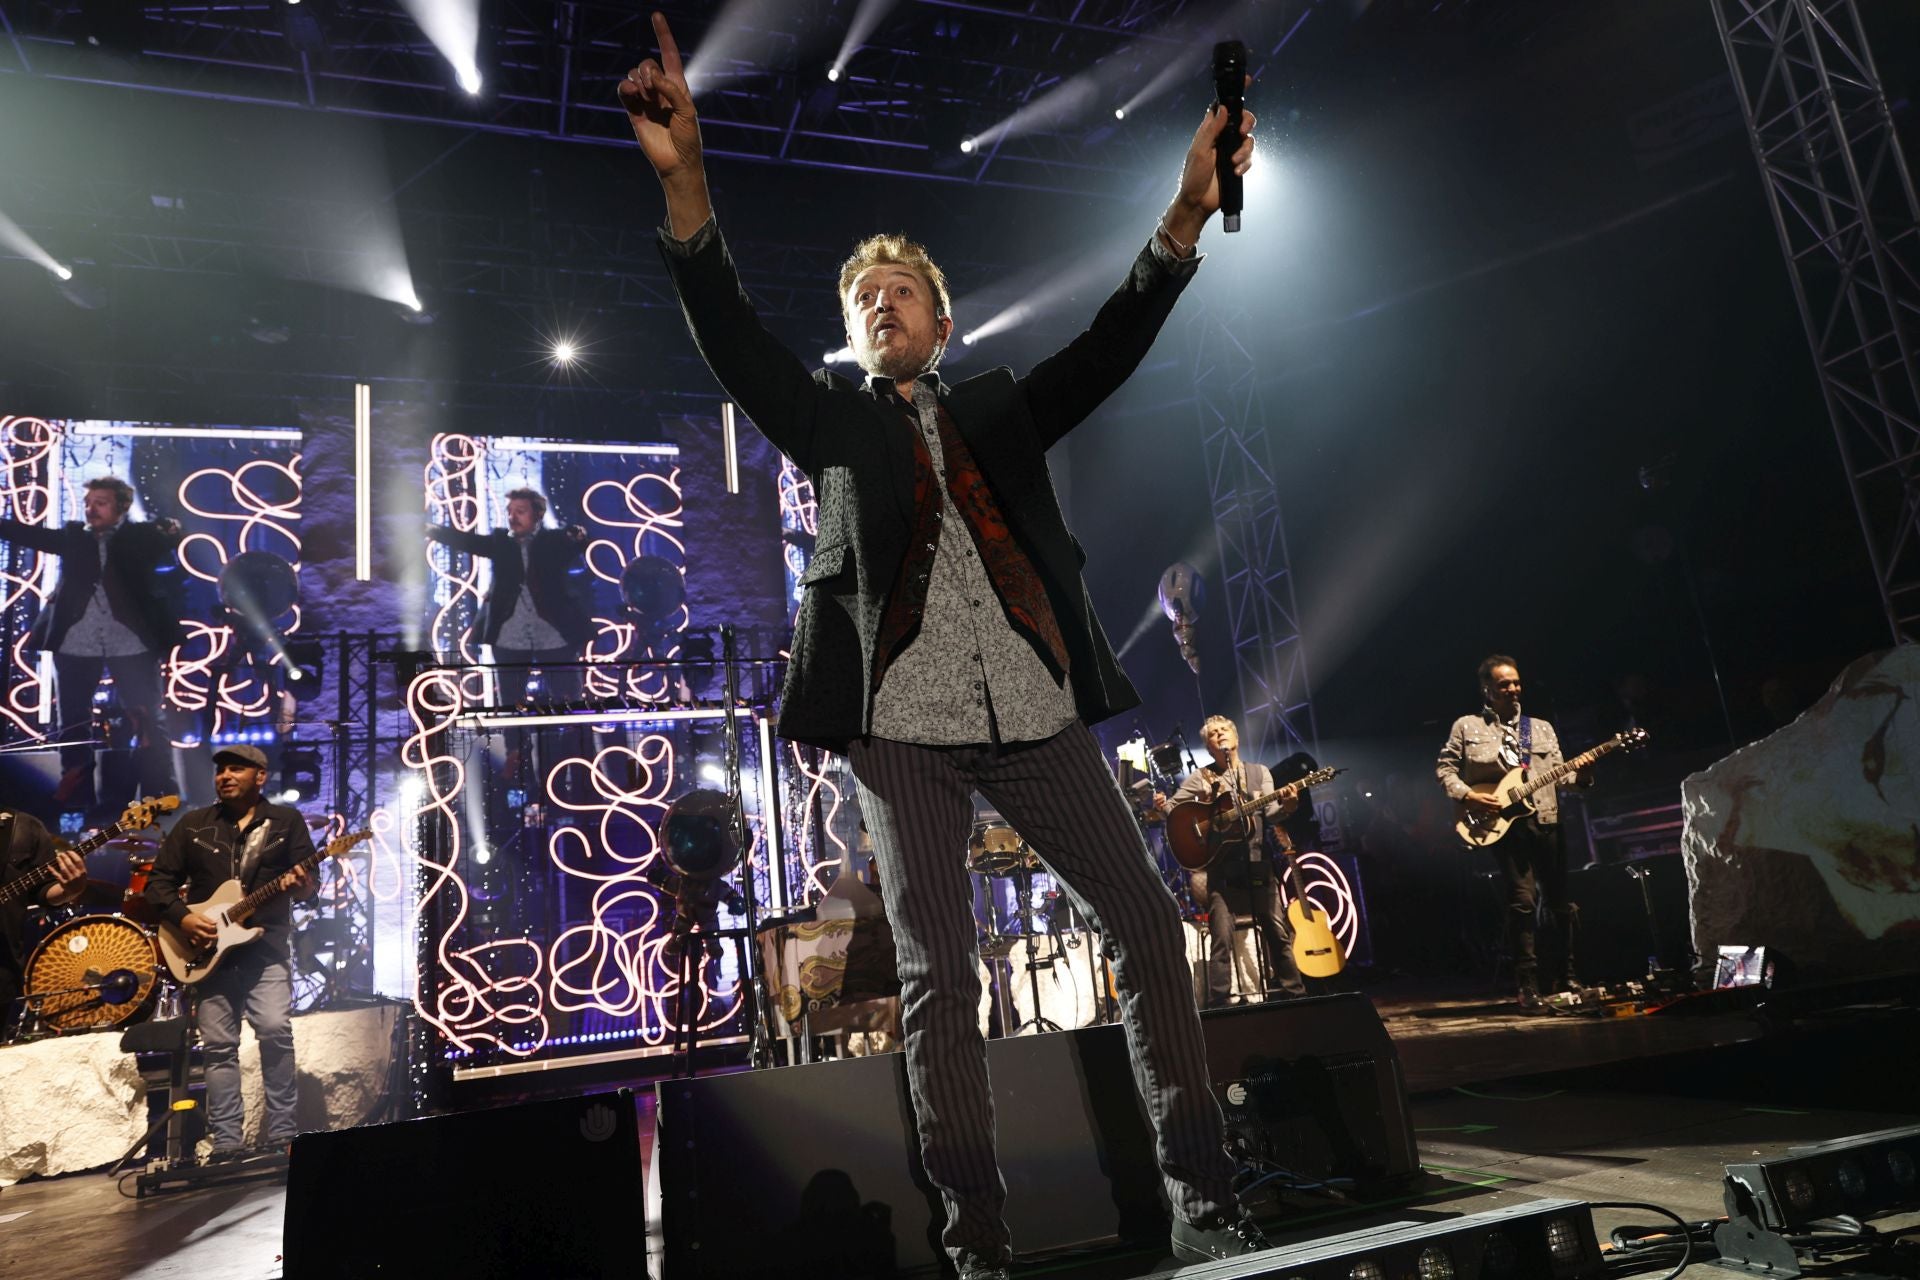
{"x": 999, "y": 851}
{"x": 93, "y": 971}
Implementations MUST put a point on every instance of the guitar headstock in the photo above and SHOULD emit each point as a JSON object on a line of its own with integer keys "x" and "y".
{"x": 142, "y": 813}
{"x": 340, "y": 844}
{"x": 1631, "y": 739}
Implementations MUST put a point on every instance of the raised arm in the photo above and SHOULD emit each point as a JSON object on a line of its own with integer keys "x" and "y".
{"x": 769, "y": 382}
{"x": 37, "y": 536}
{"x": 477, "y": 544}
{"x": 1069, "y": 385}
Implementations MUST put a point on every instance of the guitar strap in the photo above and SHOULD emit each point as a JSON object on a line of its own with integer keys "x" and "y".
{"x": 1526, "y": 742}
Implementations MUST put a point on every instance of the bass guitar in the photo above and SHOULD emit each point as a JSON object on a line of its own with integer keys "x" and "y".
{"x": 229, "y": 908}
{"x": 1516, "y": 790}
{"x": 138, "y": 816}
{"x": 1197, "y": 828}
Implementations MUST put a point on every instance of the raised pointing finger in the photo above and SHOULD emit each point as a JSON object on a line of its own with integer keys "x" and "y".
{"x": 669, "y": 51}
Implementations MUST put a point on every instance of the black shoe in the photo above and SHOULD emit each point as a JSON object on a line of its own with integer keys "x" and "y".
{"x": 984, "y": 1271}
{"x": 1220, "y": 1236}
{"x": 1531, "y": 1005}
{"x": 227, "y": 1155}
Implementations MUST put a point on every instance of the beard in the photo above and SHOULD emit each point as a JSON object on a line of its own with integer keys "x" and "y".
{"x": 901, "y": 363}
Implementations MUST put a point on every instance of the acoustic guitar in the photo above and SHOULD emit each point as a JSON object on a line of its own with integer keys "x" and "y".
{"x": 1197, "y": 828}
{"x": 1516, "y": 790}
{"x": 229, "y": 909}
{"x": 1316, "y": 949}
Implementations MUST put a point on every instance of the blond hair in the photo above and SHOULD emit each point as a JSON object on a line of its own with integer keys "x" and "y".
{"x": 1213, "y": 722}
{"x": 895, "y": 250}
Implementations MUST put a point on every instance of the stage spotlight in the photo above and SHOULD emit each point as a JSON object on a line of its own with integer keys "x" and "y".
{"x": 454, "y": 28}
{"x": 565, "y": 352}
{"x": 966, "y": 146}
{"x": 65, "y": 273}
{"x": 299, "y": 775}
{"x": 306, "y": 664}
{"x": 967, "y": 339}
{"x": 833, "y": 74}
{"x": 842, "y": 356}
{"x": 1119, "y": 113}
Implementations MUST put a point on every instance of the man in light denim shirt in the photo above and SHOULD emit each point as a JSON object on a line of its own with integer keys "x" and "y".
{"x": 1479, "y": 752}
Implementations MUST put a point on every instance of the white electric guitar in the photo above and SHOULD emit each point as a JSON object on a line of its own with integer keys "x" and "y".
{"x": 228, "y": 908}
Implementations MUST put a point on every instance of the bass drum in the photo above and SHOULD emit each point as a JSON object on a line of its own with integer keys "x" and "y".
{"x": 1067, "y": 967}
{"x": 93, "y": 971}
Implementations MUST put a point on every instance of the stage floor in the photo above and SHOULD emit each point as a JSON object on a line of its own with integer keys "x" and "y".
{"x": 1506, "y": 1109}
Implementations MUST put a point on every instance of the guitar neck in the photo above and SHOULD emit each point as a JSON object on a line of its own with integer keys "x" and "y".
{"x": 1567, "y": 768}
{"x": 42, "y": 874}
{"x": 271, "y": 889}
{"x": 1258, "y": 803}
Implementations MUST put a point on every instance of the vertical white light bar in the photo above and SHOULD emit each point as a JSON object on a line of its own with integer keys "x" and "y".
{"x": 770, "y": 815}
{"x": 730, "y": 441}
{"x": 362, "y": 482}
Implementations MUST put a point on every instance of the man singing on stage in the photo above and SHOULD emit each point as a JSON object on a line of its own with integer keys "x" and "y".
{"x": 116, "y": 609}
{"x": 946, "y": 644}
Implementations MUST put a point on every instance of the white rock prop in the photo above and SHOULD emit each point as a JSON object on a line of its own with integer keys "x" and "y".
{"x": 75, "y": 1102}
{"x": 1808, "y": 841}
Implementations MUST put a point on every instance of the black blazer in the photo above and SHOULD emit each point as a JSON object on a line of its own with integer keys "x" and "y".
{"x": 145, "y": 583}
{"x": 859, "y": 456}
{"x": 557, "y": 561}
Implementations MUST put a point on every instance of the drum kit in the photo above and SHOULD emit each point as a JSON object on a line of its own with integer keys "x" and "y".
{"x": 99, "y": 969}
{"x": 1042, "y": 968}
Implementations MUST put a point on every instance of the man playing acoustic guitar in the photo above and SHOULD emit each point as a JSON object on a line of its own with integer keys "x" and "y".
{"x": 1226, "y": 885}
{"x": 242, "y": 838}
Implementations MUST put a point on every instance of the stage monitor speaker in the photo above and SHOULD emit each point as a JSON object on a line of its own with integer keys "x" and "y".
{"x": 550, "y": 1189}
{"x": 813, "y": 1171}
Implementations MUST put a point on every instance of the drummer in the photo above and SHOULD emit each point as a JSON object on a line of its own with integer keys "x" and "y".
{"x": 25, "y": 846}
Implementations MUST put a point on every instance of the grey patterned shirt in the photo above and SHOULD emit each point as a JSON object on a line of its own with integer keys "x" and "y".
{"x": 1479, "y": 751}
{"x": 968, "y": 676}
{"x": 97, "y": 633}
{"x": 524, "y": 628}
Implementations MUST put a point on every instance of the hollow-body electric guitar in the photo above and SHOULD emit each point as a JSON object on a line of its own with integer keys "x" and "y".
{"x": 1516, "y": 790}
{"x": 229, "y": 909}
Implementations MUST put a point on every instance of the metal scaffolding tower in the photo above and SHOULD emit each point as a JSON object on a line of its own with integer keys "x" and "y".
{"x": 1268, "y": 653}
{"x": 1843, "y": 204}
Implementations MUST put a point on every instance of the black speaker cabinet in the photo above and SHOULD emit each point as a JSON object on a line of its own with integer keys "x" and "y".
{"x": 550, "y": 1189}
{"x": 814, "y": 1171}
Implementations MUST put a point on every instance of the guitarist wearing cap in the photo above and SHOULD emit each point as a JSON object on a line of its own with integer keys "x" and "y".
{"x": 1226, "y": 885}
{"x": 242, "y": 838}
{"x": 1480, "y": 750}
{"x": 25, "y": 846}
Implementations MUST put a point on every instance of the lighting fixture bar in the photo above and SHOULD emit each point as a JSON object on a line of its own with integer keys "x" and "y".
{"x": 362, "y": 482}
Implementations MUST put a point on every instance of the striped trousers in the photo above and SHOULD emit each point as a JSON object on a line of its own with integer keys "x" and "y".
{"x": 1060, "y": 796}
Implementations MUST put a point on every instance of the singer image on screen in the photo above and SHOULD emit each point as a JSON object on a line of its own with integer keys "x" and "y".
{"x": 946, "y": 644}
{"x": 116, "y": 611}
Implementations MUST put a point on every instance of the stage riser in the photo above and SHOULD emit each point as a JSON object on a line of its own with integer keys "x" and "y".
{"x": 788, "y": 1172}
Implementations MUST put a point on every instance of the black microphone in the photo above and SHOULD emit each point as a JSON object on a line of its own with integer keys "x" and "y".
{"x": 1229, "y": 90}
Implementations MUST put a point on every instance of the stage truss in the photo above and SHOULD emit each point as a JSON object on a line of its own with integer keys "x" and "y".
{"x": 1844, "y": 206}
